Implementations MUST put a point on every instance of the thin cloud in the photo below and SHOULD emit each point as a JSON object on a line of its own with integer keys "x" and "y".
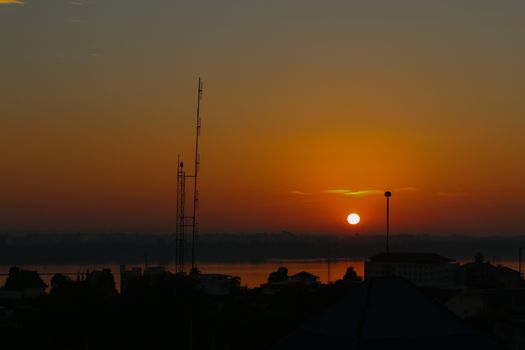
{"x": 452, "y": 194}
{"x": 300, "y": 193}
{"x": 340, "y": 191}
{"x": 351, "y": 193}
{"x": 7, "y": 2}
{"x": 363, "y": 193}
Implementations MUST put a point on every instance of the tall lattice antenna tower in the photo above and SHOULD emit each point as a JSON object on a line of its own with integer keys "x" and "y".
{"x": 182, "y": 219}
{"x": 194, "y": 233}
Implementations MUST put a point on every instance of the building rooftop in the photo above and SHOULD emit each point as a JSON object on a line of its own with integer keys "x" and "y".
{"x": 414, "y": 258}
{"x": 19, "y": 279}
{"x": 387, "y": 313}
{"x": 304, "y": 274}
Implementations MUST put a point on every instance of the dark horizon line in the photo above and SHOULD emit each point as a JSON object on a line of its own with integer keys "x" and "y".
{"x": 255, "y": 233}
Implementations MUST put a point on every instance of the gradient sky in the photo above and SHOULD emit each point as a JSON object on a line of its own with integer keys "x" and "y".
{"x": 311, "y": 110}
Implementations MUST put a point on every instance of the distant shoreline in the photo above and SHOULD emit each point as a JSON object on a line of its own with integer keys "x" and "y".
{"x": 95, "y": 248}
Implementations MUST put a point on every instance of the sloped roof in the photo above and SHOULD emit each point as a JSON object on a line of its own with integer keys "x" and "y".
{"x": 304, "y": 274}
{"x": 488, "y": 267}
{"x": 386, "y": 312}
{"x": 23, "y": 279}
{"x": 414, "y": 258}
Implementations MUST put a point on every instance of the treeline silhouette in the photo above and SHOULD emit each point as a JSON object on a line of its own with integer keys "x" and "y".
{"x": 65, "y": 248}
{"x": 170, "y": 311}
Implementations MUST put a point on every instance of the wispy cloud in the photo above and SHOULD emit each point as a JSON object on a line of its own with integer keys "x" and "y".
{"x": 363, "y": 193}
{"x": 300, "y": 193}
{"x": 339, "y": 191}
{"x": 352, "y": 193}
{"x": 7, "y": 2}
{"x": 452, "y": 194}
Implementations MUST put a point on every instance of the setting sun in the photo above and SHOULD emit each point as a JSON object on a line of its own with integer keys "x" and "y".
{"x": 353, "y": 219}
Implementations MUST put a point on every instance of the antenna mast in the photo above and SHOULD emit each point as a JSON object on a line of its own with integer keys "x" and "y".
{"x": 179, "y": 229}
{"x": 182, "y": 219}
{"x": 194, "y": 233}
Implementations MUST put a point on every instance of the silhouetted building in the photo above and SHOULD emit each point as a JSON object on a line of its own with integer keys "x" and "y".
{"x": 280, "y": 280}
{"x": 480, "y": 274}
{"x": 24, "y": 283}
{"x": 499, "y": 309}
{"x": 387, "y": 313}
{"x": 155, "y": 271}
{"x": 466, "y": 304}
{"x": 59, "y": 280}
{"x": 102, "y": 281}
{"x": 217, "y": 284}
{"x": 303, "y": 279}
{"x": 422, "y": 269}
{"x": 128, "y": 276}
{"x": 136, "y": 279}
{"x": 6, "y": 315}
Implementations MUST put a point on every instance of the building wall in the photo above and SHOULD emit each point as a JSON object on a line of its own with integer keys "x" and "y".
{"x": 429, "y": 275}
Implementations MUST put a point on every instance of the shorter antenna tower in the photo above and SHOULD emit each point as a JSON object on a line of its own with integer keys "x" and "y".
{"x": 179, "y": 230}
{"x": 182, "y": 219}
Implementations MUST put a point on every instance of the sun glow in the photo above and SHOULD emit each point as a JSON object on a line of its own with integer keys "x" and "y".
{"x": 353, "y": 219}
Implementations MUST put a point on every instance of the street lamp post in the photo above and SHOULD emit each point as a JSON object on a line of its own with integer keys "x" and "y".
{"x": 519, "y": 262}
{"x": 388, "y": 194}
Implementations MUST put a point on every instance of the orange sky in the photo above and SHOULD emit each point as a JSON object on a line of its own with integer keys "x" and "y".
{"x": 301, "y": 98}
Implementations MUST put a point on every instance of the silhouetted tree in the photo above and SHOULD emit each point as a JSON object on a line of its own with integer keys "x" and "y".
{"x": 478, "y": 258}
{"x": 102, "y": 281}
{"x": 59, "y": 280}
{"x": 235, "y": 284}
{"x": 278, "y": 276}
{"x": 351, "y": 275}
{"x": 11, "y": 283}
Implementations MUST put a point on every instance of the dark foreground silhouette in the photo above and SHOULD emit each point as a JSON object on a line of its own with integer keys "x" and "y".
{"x": 156, "y": 313}
{"x": 167, "y": 311}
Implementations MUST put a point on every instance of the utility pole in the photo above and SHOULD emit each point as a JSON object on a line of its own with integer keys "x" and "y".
{"x": 388, "y": 194}
{"x": 328, "y": 263}
{"x": 519, "y": 262}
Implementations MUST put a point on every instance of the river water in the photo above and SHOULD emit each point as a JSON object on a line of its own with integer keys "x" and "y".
{"x": 251, "y": 274}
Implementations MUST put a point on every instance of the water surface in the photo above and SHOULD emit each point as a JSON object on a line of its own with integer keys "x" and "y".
{"x": 251, "y": 274}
